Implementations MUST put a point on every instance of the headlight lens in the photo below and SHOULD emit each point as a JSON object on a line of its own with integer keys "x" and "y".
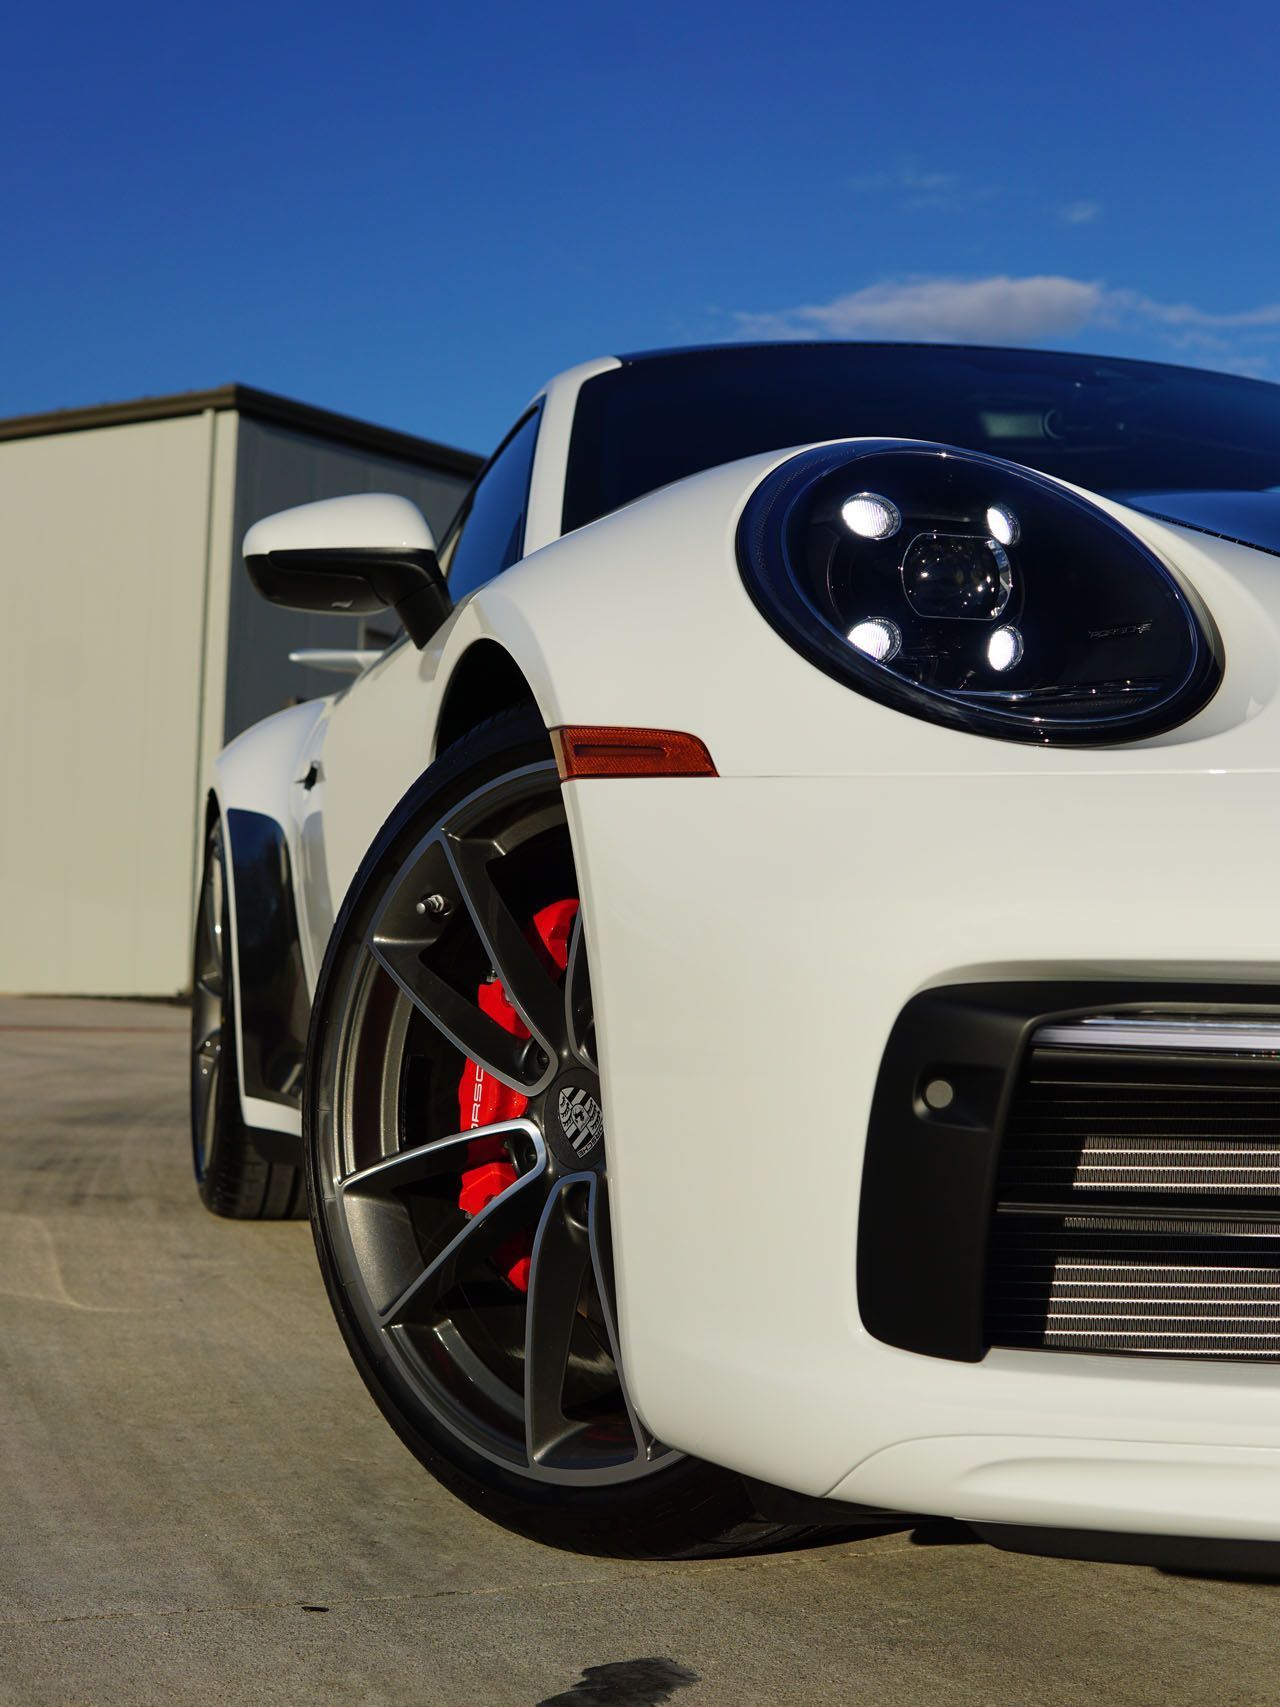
{"x": 973, "y": 592}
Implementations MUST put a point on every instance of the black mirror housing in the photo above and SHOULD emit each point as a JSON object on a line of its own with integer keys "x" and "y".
{"x": 355, "y": 581}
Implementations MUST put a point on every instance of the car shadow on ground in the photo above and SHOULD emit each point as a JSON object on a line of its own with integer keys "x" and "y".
{"x": 919, "y": 1531}
{"x": 656, "y": 1679}
{"x": 625, "y": 1683}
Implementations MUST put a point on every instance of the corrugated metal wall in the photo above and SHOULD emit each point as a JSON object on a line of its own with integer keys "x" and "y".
{"x": 134, "y": 647}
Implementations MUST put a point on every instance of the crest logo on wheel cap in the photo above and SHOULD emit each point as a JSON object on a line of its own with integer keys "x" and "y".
{"x": 581, "y": 1119}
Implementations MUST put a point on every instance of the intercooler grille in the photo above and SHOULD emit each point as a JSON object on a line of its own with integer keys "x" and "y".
{"x": 1138, "y": 1194}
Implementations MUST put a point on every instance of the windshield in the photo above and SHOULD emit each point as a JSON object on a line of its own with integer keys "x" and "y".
{"x": 1116, "y": 427}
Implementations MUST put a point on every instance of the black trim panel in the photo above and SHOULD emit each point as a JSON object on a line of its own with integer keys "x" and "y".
{"x": 781, "y": 1505}
{"x": 1190, "y": 1553}
{"x": 355, "y": 581}
{"x": 928, "y": 1182}
{"x": 274, "y": 1007}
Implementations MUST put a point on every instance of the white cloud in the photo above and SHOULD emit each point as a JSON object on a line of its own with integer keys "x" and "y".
{"x": 1004, "y": 309}
{"x": 905, "y": 176}
{"x": 1000, "y": 309}
{"x": 1080, "y": 213}
{"x": 1185, "y": 314}
{"x": 919, "y": 188}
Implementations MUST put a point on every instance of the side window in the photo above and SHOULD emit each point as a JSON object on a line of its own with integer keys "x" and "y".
{"x": 487, "y": 537}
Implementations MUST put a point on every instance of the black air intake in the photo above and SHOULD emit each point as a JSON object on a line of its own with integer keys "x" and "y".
{"x": 1138, "y": 1191}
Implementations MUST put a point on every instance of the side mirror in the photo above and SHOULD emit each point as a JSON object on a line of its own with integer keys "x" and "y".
{"x": 351, "y": 556}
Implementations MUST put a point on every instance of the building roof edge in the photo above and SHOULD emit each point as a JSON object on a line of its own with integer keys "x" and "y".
{"x": 247, "y": 400}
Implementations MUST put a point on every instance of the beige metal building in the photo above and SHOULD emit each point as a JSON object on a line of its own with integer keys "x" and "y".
{"x": 134, "y": 647}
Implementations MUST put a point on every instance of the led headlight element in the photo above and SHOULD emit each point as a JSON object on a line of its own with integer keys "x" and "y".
{"x": 870, "y": 517}
{"x": 1004, "y": 649}
{"x": 973, "y": 592}
{"x": 1003, "y": 525}
{"x": 879, "y": 639}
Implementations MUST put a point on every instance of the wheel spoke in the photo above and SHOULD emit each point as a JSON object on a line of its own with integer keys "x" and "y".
{"x": 600, "y": 1241}
{"x": 204, "y": 1079}
{"x": 578, "y": 1010}
{"x": 530, "y": 988}
{"x": 560, "y": 1259}
{"x": 209, "y": 973}
{"x": 461, "y": 1021}
{"x": 407, "y": 1168}
{"x": 507, "y": 1214}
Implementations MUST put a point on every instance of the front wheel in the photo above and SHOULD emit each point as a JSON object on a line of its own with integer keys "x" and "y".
{"x": 458, "y": 1175}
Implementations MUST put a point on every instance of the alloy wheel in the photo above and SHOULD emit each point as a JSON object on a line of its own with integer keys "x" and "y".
{"x": 462, "y": 1156}
{"x": 209, "y": 983}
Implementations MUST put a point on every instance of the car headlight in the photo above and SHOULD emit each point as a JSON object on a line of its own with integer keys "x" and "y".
{"x": 976, "y": 593}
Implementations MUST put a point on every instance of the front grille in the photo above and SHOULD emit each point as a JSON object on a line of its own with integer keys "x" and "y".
{"x": 1138, "y": 1191}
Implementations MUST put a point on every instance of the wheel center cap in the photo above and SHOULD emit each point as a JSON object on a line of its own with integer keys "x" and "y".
{"x": 575, "y": 1120}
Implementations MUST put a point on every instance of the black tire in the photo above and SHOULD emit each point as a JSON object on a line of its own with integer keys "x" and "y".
{"x": 233, "y": 1178}
{"x": 668, "y": 1506}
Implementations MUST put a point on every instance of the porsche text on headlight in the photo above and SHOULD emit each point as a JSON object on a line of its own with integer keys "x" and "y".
{"x": 968, "y": 590}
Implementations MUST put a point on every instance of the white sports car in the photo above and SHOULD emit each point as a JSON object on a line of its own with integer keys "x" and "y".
{"x": 772, "y": 981}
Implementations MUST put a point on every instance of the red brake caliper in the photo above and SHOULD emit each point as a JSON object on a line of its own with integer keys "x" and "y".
{"x": 484, "y": 1100}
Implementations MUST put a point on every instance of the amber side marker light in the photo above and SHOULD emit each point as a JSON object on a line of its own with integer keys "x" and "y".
{"x": 586, "y": 751}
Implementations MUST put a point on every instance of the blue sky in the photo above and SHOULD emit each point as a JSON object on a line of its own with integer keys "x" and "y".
{"x": 416, "y": 213}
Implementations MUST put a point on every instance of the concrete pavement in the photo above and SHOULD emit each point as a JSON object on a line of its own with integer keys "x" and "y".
{"x": 199, "y": 1503}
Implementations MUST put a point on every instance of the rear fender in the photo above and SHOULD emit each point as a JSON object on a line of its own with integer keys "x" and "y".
{"x": 261, "y": 788}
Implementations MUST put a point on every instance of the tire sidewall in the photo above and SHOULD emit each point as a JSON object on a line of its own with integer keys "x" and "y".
{"x": 226, "y": 1128}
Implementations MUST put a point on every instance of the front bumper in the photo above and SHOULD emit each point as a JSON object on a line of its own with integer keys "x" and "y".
{"x": 1074, "y": 1481}
{"x": 753, "y": 943}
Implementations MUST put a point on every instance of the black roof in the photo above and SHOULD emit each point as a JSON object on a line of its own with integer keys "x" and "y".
{"x": 918, "y": 346}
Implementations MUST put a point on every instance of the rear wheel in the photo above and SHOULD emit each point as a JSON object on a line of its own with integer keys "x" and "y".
{"x": 232, "y": 1177}
{"x": 458, "y": 1170}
